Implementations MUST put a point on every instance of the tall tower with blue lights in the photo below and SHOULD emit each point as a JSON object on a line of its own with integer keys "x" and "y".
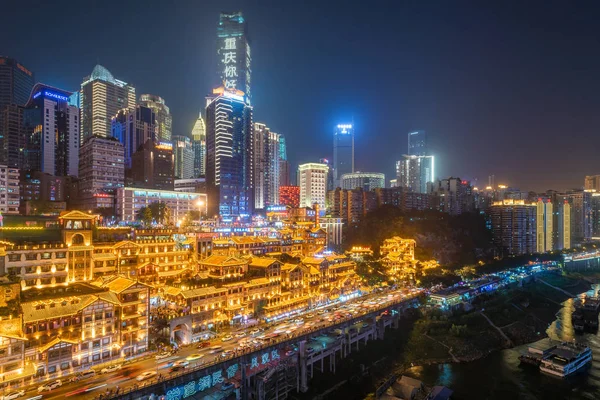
{"x": 343, "y": 152}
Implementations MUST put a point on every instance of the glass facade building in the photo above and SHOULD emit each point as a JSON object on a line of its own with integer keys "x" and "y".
{"x": 417, "y": 144}
{"x": 343, "y": 152}
{"x": 233, "y": 53}
{"x": 164, "y": 120}
{"x": 184, "y": 157}
{"x": 199, "y": 146}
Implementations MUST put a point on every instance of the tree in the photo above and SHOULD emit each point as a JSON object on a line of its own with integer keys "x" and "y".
{"x": 144, "y": 215}
{"x": 39, "y": 207}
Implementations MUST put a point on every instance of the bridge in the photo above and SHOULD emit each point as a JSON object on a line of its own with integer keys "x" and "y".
{"x": 253, "y": 369}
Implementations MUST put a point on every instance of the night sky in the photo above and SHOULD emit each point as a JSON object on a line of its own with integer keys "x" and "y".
{"x": 510, "y": 88}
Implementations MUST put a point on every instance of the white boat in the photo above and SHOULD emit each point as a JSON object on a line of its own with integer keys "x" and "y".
{"x": 566, "y": 359}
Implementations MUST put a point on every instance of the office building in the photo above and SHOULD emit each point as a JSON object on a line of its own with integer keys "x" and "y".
{"x": 312, "y": 179}
{"x": 131, "y": 200}
{"x": 101, "y": 172}
{"x": 289, "y": 196}
{"x": 51, "y": 125}
{"x": 266, "y": 166}
{"x": 284, "y": 165}
{"x": 16, "y": 83}
{"x": 9, "y": 190}
{"x": 366, "y": 180}
{"x": 514, "y": 227}
{"x": 343, "y": 152}
{"x": 414, "y": 172}
{"x": 199, "y": 146}
{"x": 102, "y": 96}
{"x": 164, "y": 120}
{"x": 545, "y": 225}
{"x": 193, "y": 185}
{"x": 233, "y": 53}
{"x": 152, "y": 166}
{"x": 229, "y": 154}
{"x": 42, "y": 193}
{"x": 133, "y": 127}
{"x": 417, "y": 144}
{"x": 184, "y": 157}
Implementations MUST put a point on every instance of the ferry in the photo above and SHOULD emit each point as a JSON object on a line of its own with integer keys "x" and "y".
{"x": 566, "y": 359}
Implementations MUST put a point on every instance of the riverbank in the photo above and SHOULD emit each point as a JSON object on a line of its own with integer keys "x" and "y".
{"x": 510, "y": 317}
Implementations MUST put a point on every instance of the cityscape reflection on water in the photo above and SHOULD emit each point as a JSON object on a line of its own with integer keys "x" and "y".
{"x": 500, "y": 375}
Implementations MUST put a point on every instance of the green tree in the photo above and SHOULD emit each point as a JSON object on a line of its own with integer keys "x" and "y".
{"x": 39, "y": 207}
{"x": 144, "y": 215}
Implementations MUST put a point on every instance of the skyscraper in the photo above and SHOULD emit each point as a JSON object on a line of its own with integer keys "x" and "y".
{"x": 312, "y": 179}
{"x": 414, "y": 172}
{"x": 199, "y": 146}
{"x": 545, "y": 226}
{"x": 343, "y": 152}
{"x": 417, "y": 144}
{"x": 16, "y": 83}
{"x": 284, "y": 165}
{"x": 102, "y": 96}
{"x": 513, "y": 227}
{"x": 229, "y": 154}
{"x": 266, "y": 166}
{"x": 164, "y": 120}
{"x": 52, "y": 127}
{"x": 133, "y": 127}
{"x": 233, "y": 53}
{"x": 184, "y": 157}
{"x": 152, "y": 166}
{"x": 365, "y": 180}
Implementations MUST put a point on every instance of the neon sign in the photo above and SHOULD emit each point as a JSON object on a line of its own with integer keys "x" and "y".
{"x": 52, "y": 95}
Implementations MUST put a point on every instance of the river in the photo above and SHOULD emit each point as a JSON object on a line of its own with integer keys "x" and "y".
{"x": 500, "y": 375}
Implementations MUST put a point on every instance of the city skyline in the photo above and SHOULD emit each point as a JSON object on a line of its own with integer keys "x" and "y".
{"x": 454, "y": 122}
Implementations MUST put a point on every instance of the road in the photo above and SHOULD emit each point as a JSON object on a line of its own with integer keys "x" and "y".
{"x": 314, "y": 318}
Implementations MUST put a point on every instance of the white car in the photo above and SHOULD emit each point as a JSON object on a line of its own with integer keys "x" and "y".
{"x": 240, "y": 334}
{"x": 181, "y": 363}
{"x": 227, "y": 338}
{"x": 145, "y": 375}
{"x": 162, "y": 355}
{"x": 110, "y": 368}
{"x": 14, "y": 395}
{"x": 49, "y": 386}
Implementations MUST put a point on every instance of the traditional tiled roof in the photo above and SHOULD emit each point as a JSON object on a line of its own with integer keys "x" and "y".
{"x": 219, "y": 260}
{"x": 262, "y": 262}
{"x": 258, "y": 281}
{"x": 119, "y": 284}
{"x": 191, "y": 293}
{"x": 12, "y": 328}
{"x": 53, "y": 343}
{"x": 110, "y": 297}
{"x": 31, "y": 313}
{"x": 313, "y": 260}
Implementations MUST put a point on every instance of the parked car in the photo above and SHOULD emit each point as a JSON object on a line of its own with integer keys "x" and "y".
{"x": 145, "y": 375}
{"x": 14, "y": 395}
{"x": 226, "y": 338}
{"x": 110, "y": 368}
{"x": 50, "y": 386}
{"x": 83, "y": 375}
{"x": 290, "y": 353}
{"x": 226, "y": 386}
{"x": 240, "y": 334}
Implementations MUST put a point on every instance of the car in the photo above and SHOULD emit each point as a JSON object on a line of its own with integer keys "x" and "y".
{"x": 240, "y": 334}
{"x": 227, "y": 353}
{"x": 49, "y": 386}
{"x": 365, "y": 325}
{"x": 309, "y": 350}
{"x": 255, "y": 331}
{"x": 163, "y": 355}
{"x": 194, "y": 356}
{"x": 145, "y": 375}
{"x": 177, "y": 368}
{"x": 227, "y": 338}
{"x": 110, "y": 368}
{"x": 14, "y": 395}
{"x": 181, "y": 363}
{"x": 226, "y": 386}
{"x": 290, "y": 353}
{"x": 203, "y": 345}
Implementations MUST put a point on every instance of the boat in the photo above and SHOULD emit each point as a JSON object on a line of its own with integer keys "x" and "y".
{"x": 578, "y": 319}
{"x": 566, "y": 359}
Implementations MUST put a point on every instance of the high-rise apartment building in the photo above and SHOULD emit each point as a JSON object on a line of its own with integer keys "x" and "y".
{"x": 9, "y": 190}
{"x": 51, "y": 126}
{"x": 266, "y": 166}
{"x": 199, "y": 146}
{"x": 164, "y": 120}
{"x": 229, "y": 154}
{"x": 312, "y": 179}
{"x": 133, "y": 127}
{"x": 592, "y": 182}
{"x": 343, "y": 152}
{"x": 102, "y": 96}
{"x": 545, "y": 226}
{"x": 514, "y": 227}
{"x": 284, "y": 165}
{"x": 580, "y": 202}
{"x": 233, "y": 53}
{"x": 16, "y": 82}
{"x": 365, "y": 180}
{"x": 417, "y": 144}
{"x": 414, "y": 172}
{"x": 184, "y": 157}
{"x": 101, "y": 171}
{"x": 452, "y": 195}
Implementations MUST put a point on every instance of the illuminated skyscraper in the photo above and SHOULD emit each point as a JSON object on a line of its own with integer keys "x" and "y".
{"x": 343, "y": 152}
{"x": 366, "y": 180}
{"x": 229, "y": 154}
{"x": 102, "y": 96}
{"x": 133, "y": 127}
{"x": 312, "y": 179}
{"x": 284, "y": 165}
{"x": 184, "y": 157}
{"x": 199, "y": 146}
{"x": 52, "y": 128}
{"x": 414, "y": 172}
{"x": 16, "y": 83}
{"x": 266, "y": 166}
{"x": 417, "y": 144}
{"x": 233, "y": 53}
{"x": 164, "y": 120}
{"x": 513, "y": 227}
{"x": 545, "y": 226}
